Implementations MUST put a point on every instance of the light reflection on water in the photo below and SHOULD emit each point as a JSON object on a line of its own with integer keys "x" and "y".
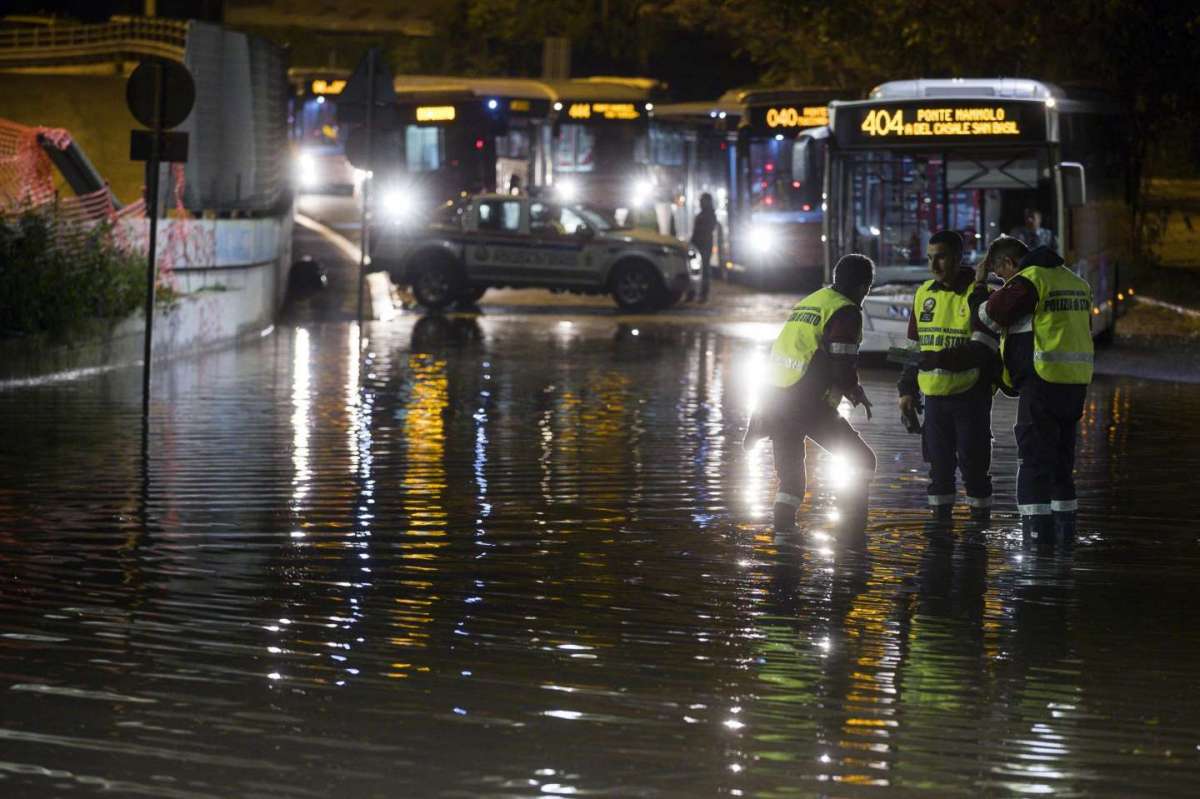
{"x": 519, "y": 557}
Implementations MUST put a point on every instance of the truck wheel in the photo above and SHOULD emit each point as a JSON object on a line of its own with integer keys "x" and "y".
{"x": 435, "y": 284}
{"x": 636, "y": 286}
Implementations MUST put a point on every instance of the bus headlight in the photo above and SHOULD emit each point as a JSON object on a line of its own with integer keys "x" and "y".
{"x": 640, "y": 192}
{"x": 763, "y": 240}
{"x": 306, "y": 170}
{"x": 567, "y": 190}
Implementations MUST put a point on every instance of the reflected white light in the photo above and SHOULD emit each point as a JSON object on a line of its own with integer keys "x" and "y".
{"x": 301, "y": 407}
{"x": 733, "y": 724}
{"x": 569, "y": 715}
{"x": 875, "y": 231}
{"x": 838, "y": 470}
{"x": 635, "y": 331}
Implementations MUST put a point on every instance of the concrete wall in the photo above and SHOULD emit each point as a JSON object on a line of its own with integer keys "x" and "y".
{"x": 234, "y": 296}
{"x": 92, "y": 108}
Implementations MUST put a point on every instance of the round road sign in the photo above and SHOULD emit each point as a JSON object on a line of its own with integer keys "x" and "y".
{"x": 163, "y": 85}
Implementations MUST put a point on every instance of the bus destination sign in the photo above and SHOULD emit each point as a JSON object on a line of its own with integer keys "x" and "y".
{"x": 903, "y": 123}
{"x": 618, "y": 111}
{"x": 792, "y": 117}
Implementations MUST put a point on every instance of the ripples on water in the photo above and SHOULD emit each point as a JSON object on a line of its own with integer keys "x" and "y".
{"x": 527, "y": 557}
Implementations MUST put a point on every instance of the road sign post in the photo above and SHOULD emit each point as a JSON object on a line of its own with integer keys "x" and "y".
{"x": 160, "y": 95}
{"x": 369, "y": 99}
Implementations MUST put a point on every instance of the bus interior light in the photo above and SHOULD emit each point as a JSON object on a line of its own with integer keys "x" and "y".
{"x": 649, "y": 106}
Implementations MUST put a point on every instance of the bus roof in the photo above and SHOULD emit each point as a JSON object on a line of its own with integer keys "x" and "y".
{"x": 1008, "y": 88}
{"x": 736, "y": 102}
{"x": 593, "y": 88}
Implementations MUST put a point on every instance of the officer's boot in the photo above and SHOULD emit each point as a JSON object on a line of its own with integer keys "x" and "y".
{"x": 1038, "y": 528}
{"x": 1043, "y": 531}
{"x": 1064, "y": 528}
{"x": 942, "y": 514}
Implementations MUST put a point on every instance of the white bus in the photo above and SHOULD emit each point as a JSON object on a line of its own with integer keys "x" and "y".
{"x": 975, "y": 156}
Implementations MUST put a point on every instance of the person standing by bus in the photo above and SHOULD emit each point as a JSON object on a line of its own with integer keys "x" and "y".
{"x": 1032, "y": 234}
{"x": 1044, "y": 315}
{"x": 813, "y": 365}
{"x": 706, "y": 231}
{"x": 959, "y": 364}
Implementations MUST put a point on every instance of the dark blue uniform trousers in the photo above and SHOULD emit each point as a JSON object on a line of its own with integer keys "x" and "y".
{"x": 1048, "y": 416}
{"x": 958, "y": 435}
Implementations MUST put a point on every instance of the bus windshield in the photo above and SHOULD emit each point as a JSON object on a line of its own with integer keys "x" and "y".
{"x": 775, "y": 188}
{"x": 893, "y": 201}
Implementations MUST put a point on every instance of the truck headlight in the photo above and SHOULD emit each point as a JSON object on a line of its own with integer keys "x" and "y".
{"x": 400, "y": 204}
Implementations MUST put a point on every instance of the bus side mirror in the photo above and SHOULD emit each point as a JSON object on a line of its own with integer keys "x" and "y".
{"x": 1074, "y": 183}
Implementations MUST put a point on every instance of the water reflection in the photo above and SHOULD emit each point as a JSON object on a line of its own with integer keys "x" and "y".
{"x": 511, "y": 556}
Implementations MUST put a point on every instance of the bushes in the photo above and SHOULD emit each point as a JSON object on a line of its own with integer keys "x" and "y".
{"x": 52, "y": 278}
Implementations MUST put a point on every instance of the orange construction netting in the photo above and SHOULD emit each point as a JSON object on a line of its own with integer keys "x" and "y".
{"x": 27, "y": 185}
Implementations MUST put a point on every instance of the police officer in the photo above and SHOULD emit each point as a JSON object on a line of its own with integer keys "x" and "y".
{"x": 1044, "y": 314}
{"x": 813, "y": 365}
{"x": 959, "y": 363}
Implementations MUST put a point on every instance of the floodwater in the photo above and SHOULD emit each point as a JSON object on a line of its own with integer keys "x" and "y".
{"x": 525, "y": 556}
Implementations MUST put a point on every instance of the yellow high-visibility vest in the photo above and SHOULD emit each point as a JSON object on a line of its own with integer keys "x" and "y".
{"x": 943, "y": 321}
{"x": 803, "y": 335}
{"x": 1062, "y": 325}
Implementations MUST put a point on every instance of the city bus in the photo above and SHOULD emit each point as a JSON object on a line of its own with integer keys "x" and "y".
{"x": 974, "y": 155}
{"x": 606, "y": 151}
{"x": 761, "y": 154}
{"x": 319, "y": 163}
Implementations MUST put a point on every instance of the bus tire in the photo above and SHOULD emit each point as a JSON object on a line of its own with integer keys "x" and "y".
{"x": 636, "y": 286}
{"x": 436, "y": 282}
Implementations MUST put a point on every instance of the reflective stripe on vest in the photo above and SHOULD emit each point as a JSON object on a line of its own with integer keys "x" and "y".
{"x": 1062, "y": 325}
{"x": 802, "y": 335}
{"x": 943, "y": 321}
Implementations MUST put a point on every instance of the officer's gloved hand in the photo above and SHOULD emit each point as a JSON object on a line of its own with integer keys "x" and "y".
{"x": 910, "y": 406}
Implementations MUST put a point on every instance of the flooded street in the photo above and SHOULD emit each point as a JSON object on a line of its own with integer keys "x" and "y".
{"x": 524, "y": 555}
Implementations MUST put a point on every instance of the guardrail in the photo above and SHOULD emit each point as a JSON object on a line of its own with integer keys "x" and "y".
{"x": 120, "y": 36}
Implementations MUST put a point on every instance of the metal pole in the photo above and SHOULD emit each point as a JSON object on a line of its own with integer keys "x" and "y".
{"x": 152, "y": 213}
{"x": 365, "y": 236}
